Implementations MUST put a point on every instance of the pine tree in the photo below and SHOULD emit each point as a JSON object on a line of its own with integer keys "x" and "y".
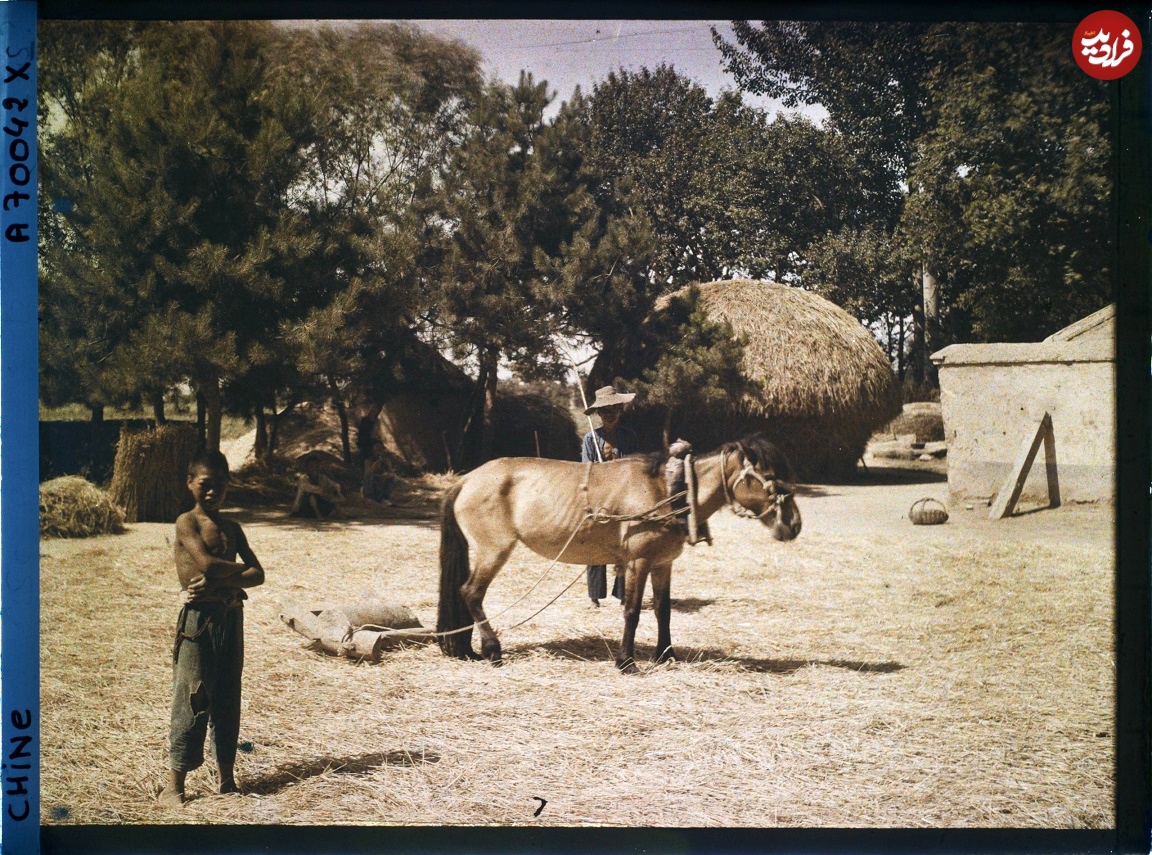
{"x": 498, "y": 224}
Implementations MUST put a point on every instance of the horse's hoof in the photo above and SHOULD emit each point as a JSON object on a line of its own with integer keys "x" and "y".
{"x": 491, "y": 651}
{"x": 466, "y": 654}
{"x": 627, "y": 666}
{"x": 668, "y": 655}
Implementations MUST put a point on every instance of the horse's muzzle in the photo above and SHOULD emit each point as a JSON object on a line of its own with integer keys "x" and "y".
{"x": 785, "y": 530}
{"x": 780, "y": 531}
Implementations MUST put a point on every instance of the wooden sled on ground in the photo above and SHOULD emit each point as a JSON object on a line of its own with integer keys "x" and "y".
{"x": 359, "y": 632}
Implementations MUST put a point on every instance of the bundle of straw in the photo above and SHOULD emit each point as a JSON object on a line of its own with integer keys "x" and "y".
{"x": 151, "y": 471}
{"x": 73, "y": 507}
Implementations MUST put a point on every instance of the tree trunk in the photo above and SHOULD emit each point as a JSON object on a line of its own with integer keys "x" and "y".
{"x": 260, "y": 447}
{"x": 667, "y": 428}
{"x": 201, "y": 416}
{"x": 900, "y": 366}
{"x": 488, "y": 429}
{"x": 931, "y": 319}
{"x": 274, "y": 431}
{"x": 341, "y": 411}
{"x": 366, "y": 429}
{"x": 916, "y": 355}
{"x": 214, "y": 412}
{"x": 158, "y": 407}
{"x": 468, "y": 452}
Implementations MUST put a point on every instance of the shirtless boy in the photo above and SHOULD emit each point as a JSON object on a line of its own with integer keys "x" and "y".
{"x": 215, "y": 565}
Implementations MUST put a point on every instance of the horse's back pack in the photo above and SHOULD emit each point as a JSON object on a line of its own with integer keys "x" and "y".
{"x": 675, "y": 477}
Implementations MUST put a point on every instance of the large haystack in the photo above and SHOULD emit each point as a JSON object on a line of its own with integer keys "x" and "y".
{"x": 824, "y": 383}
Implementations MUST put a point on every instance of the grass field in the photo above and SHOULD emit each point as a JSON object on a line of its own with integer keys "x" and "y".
{"x": 869, "y": 674}
{"x": 231, "y": 427}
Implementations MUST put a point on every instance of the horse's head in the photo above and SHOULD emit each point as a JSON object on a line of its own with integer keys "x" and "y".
{"x": 759, "y": 484}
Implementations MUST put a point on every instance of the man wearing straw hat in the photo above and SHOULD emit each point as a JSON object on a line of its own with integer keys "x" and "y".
{"x": 608, "y": 442}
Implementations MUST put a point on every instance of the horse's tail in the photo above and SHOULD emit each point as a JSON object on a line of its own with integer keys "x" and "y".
{"x": 452, "y": 613}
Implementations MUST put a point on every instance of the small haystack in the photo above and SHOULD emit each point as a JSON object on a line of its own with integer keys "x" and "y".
{"x": 73, "y": 507}
{"x": 150, "y": 477}
{"x": 824, "y": 383}
{"x": 921, "y": 419}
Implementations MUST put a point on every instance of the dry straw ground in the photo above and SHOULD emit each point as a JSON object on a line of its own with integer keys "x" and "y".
{"x": 871, "y": 673}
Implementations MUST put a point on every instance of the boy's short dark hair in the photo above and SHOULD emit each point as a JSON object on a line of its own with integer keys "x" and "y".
{"x": 212, "y": 461}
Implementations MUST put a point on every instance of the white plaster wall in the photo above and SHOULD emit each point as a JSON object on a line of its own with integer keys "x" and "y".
{"x": 990, "y": 409}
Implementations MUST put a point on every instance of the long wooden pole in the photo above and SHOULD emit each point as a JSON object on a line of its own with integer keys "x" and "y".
{"x": 584, "y": 398}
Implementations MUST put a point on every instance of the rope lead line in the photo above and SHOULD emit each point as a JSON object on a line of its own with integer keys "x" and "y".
{"x": 598, "y": 516}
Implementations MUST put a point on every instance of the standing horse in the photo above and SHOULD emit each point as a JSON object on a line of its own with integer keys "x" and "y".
{"x": 612, "y": 513}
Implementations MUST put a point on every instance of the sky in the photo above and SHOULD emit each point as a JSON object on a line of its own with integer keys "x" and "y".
{"x": 568, "y": 53}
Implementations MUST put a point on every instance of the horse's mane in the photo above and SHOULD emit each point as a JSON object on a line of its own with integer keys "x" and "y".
{"x": 756, "y": 447}
{"x": 653, "y": 463}
{"x": 762, "y": 454}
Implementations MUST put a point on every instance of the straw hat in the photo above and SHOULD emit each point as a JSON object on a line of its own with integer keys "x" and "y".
{"x": 606, "y": 396}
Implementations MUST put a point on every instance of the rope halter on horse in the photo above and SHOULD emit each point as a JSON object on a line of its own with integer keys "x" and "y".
{"x": 775, "y": 492}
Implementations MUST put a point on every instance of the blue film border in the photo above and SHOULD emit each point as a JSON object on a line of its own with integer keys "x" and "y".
{"x": 19, "y": 492}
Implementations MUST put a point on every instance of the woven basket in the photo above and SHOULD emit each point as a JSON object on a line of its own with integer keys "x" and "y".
{"x": 928, "y": 512}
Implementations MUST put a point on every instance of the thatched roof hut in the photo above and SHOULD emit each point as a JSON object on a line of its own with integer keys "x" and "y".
{"x": 822, "y": 382}
{"x": 423, "y": 405}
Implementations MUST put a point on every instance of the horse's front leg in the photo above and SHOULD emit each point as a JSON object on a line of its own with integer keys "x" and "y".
{"x": 662, "y": 606}
{"x": 634, "y": 581}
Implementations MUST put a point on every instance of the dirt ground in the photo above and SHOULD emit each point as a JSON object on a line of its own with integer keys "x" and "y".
{"x": 871, "y": 673}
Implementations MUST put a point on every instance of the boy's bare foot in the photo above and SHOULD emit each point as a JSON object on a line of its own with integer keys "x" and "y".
{"x": 171, "y": 798}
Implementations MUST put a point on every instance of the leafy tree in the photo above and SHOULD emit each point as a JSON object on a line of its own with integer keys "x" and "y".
{"x": 82, "y": 66}
{"x": 1011, "y": 191}
{"x": 228, "y": 195}
{"x": 977, "y": 145}
{"x": 870, "y": 273}
{"x": 691, "y": 362}
{"x": 183, "y": 214}
{"x": 394, "y": 104}
{"x": 498, "y": 221}
{"x": 601, "y": 272}
{"x": 868, "y": 76}
{"x": 688, "y": 189}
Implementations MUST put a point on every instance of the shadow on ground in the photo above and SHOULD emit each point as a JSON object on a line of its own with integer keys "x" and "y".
{"x": 294, "y": 773}
{"x": 425, "y": 517}
{"x": 814, "y": 491}
{"x": 688, "y": 605}
{"x": 881, "y": 475}
{"x": 592, "y": 648}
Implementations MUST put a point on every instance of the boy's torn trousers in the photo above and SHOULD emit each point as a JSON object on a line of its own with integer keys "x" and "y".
{"x": 207, "y": 660}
